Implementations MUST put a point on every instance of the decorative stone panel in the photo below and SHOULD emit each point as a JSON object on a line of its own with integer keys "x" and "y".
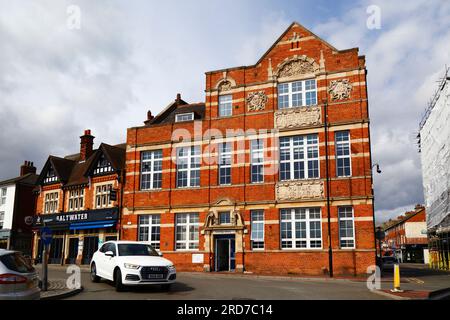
{"x": 296, "y": 66}
{"x": 256, "y": 101}
{"x": 340, "y": 89}
{"x": 297, "y": 190}
{"x": 298, "y": 117}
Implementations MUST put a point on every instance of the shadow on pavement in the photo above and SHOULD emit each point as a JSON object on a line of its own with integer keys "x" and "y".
{"x": 155, "y": 288}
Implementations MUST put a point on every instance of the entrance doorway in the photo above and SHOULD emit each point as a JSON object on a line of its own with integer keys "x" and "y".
{"x": 55, "y": 254}
{"x": 73, "y": 251}
{"x": 90, "y": 245}
{"x": 225, "y": 253}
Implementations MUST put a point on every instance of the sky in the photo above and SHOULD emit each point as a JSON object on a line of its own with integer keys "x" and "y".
{"x": 60, "y": 75}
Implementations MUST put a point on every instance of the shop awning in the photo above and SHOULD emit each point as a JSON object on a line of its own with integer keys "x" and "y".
{"x": 92, "y": 225}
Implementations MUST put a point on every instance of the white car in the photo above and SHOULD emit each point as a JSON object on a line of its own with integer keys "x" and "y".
{"x": 131, "y": 263}
{"x": 18, "y": 278}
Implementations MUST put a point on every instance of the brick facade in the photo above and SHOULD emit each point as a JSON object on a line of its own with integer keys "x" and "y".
{"x": 341, "y": 102}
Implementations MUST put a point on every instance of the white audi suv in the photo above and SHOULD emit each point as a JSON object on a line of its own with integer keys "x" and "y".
{"x": 131, "y": 263}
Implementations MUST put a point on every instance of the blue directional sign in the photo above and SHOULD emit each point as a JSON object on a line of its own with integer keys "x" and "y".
{"x": 46, "y": 235}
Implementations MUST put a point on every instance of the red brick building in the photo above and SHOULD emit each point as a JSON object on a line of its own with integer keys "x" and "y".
{"x": 271, "y": 174}
{"x": 406, "y": 236}
{"x": 74, "y": 201}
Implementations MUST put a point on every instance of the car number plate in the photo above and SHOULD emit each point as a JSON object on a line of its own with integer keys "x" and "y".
{"x": 155, "y": 276}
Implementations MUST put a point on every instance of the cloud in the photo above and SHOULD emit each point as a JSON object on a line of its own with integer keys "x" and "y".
{"x": 129, "y": 57}
{"x": 404, "y": 59}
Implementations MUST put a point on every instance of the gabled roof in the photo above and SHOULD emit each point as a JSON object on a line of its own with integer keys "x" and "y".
{"x": 114, "y": 154}
{"x": 404, "y": 218}
{"x": 280, "y": 38}
{"x": 72, "y": 172}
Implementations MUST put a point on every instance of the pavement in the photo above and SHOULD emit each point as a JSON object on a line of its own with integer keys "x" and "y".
{"x": 418, "y": 282}
{"x": 57, "y": 289}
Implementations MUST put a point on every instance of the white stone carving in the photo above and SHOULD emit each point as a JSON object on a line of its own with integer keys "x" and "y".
{"x": 295, "y": 190}
{"x": 225, "y": 85}
{"x": 295, "y": 66}
{"x": 340, "y": 89}
{"x": 298, "y": 117}
{"x": 256, "y": 101}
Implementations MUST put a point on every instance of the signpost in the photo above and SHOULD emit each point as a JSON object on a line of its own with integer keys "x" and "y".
{"x": 46, "y": 238}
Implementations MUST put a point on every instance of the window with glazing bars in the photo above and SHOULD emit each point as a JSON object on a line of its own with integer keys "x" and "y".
{"x": 102, "y": 196}
{"x": 188, "y": 166}
{"x": 150, "y": 229}
{"x": 297, "y": 94}
{"x": 76, "y": 199}
{"x": 51, "y": 202}
{"x": 257, "y": 229}
{"x": 103, "y": 165}
{"x": 225, "y": 105}
{"x": 346, "y": 227}
{"x": 257, "y": 160}
{"x": 299, "y": 157}
{"x": 151, "y": 169}
{"x": 301, "y": 228}
{"x": 343, "y": 157}
{"x": 187, "y": 231}
{"x": 225, "y": 156}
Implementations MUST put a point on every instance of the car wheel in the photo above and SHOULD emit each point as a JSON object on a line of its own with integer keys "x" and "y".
{"x": 118, "y": 280}
{"x": 166, "y": 287}
{"x": 94, "y": 277}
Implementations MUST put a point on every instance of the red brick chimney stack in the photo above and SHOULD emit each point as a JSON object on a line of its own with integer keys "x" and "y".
{"x": 86, "y": 145}
{"x": 27, "y": 167}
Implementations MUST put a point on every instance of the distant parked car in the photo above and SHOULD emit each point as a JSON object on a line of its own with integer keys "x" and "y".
{"x": 389, "y": 262}
{"x": 18, "y": 278}
{"x": 131, "y": 263}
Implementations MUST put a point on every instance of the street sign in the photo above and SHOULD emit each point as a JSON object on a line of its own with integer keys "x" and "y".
{"x": 113, "y": 195}
{"x": 46, "y": 235}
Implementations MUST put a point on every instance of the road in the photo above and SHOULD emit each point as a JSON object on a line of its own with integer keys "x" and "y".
{"x": 225, "y": 286}
{"x": 235, "y": 287}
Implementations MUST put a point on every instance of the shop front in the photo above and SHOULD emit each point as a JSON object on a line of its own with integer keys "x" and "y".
{"x": 77, "y": 235}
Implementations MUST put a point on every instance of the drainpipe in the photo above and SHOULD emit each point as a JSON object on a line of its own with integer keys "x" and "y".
{"x": 330, "y": 249}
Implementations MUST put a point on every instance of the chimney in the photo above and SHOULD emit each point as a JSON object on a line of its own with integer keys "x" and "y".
{"x": 27, "y": 167}
{"x": 150, "y": 117}
{"x": 86, "y": 145}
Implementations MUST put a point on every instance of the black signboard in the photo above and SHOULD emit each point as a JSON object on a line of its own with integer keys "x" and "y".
{"x": 66, "y": 218}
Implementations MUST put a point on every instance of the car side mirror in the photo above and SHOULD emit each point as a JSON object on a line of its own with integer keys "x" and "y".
{"x": 109, "y": 254}
{"x": 160, "y": 253}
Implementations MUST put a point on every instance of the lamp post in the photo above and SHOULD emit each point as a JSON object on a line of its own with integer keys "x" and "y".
{"x": 376, "y": 230}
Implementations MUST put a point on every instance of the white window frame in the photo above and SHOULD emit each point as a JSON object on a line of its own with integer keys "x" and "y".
{"x": 257, "y": 239}
{"x": 76, "y": 200}
{"x": 292, "y": 90}
{"x": 193, "y": 153}
{"x": 183, "y": 117}
{"x": 4, "y": 193}
{"x": 257, "y": 159}
{"x": 51, "y": 202}
{"x": 225, "y": 105}
{"x": 102, "y": 192}
{"x": 154, "y": 221}
{"x": 345, "y": 218}
{"x": 190, "y": 222}
{"x": 103, "y": 165}
{"x": 50, "y": 176}
{"x": 225, "y": 160}
{"x": 155, "y": 162}
{"x": 302, "y": 144}
{"x": 2, "y": 219}
{"x": 343, "y": 144}
{"x": 293, "y": 220}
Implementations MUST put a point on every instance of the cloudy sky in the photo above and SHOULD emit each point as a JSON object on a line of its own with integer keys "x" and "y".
{"x": 127, "y": 57}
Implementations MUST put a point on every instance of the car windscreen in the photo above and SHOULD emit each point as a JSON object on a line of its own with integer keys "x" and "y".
{"x": 131, "y": 249}
{"x": 16, "y": 262}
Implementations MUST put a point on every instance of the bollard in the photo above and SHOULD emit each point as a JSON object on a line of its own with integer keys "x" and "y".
{"x": 396, "y": 279}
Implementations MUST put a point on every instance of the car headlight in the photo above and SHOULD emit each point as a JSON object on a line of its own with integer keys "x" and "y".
{"x": 131, "y": 266}
{"x": 171, "y": 268}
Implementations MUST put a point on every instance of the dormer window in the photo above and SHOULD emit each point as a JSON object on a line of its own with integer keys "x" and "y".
{"x": 297, "y": 94}
{"x": 182, "y": 117}
{"x": 50, "y": 176}
{"x": 103, "y": 165}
